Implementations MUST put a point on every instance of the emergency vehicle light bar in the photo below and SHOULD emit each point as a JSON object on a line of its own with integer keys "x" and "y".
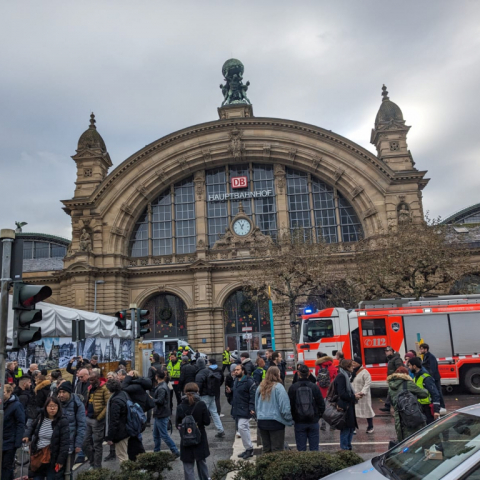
{"x": 424, "y": 301}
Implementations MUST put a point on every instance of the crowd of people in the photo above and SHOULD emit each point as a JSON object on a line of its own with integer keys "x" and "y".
{"x": 67, "y": 422}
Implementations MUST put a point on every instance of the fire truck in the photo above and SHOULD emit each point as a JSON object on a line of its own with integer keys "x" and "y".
{"x": 449, "y": 324}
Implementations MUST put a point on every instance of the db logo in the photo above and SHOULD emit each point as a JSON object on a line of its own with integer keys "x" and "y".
{"x": 239, "y": 182}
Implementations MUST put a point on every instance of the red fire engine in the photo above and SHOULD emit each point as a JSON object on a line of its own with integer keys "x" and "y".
{"x": 449, "y": 324}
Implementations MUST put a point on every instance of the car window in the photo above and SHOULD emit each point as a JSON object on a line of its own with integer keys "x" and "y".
{"x": 318, "y": 329}
{"x": 473, "y": 475}
{"x": 436, "y": 450}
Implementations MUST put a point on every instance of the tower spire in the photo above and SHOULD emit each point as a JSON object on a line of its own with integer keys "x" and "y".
{"x": 92, "y": 121}
{"x": 384, "y": 93}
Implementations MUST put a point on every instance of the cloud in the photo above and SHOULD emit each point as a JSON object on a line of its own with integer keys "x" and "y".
{"x": 152, "y": 67}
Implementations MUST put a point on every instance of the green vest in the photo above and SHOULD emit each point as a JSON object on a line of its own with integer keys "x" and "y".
{"x": 173, "y": 370}
{"x": 19, "y": 373}
{"x": 226, "y": 357}
{"x": 263, "y": 372}
{"x": 419, "y": 382}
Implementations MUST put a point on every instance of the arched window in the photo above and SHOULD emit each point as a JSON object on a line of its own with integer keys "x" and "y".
{"x": 168, "y": 317}
{"x": 244, "y": 316}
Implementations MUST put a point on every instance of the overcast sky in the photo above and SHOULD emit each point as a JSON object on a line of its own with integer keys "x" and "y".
{"x": 148, "y": 68}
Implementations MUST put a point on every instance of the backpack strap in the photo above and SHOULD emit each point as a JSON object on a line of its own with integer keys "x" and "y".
{"x": 404, "y": 385}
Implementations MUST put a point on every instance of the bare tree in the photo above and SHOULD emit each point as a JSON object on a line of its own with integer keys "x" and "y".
{"x": 410, "y": 260}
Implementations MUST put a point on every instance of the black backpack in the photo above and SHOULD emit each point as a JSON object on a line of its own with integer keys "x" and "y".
{"x": 409, "y": 409}
{"x": 323, "y": 378}
{"x": 304, "y": 402}
{"x": 213, "y": 383}
{"x": 189, "y": 432}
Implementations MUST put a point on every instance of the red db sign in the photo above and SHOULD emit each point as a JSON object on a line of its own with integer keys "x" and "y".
{"x": 239, "y": 182}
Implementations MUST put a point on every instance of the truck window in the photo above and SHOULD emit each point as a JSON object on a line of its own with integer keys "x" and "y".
{"x": 374, "y": 355}
{"x": 373, "y": 327}
{"x": 318, "y": 329}
{"x": 463, "y": 326}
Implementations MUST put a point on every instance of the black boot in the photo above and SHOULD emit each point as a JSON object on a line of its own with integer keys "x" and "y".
{"x": 110, "y": 456}
{"x": 386, "y": 408}
{"x": 248, "y": 453}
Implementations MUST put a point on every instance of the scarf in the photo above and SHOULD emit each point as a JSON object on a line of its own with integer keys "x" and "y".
{"x": 355, "y": 372}
{"x": 347, "y": 380}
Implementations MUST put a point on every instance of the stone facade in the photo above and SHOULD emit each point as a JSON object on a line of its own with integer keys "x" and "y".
{"x": 106, "y": 207}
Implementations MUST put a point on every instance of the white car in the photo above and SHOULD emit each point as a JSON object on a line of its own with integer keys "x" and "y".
{"x": 448, "y": 449}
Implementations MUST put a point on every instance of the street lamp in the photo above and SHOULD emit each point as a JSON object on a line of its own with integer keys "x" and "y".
{"x": 97, "y": 282}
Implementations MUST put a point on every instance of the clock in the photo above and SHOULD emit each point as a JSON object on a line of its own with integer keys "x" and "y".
{"x": 242, "y": 227}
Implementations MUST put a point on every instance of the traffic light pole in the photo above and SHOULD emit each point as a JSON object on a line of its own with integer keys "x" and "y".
{"x": 133, "y": 309}
{"x": 7, "y": 236}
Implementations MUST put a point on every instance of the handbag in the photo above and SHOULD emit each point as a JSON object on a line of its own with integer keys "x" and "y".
{"x": 333, "y": 414}
{"x": 39, "y": 458}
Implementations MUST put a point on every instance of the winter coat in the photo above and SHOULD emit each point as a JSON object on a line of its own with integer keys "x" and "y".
{"x": 430, "y": 364}
{"x": 346, "y": 400}
{"x": 74, "y": 411}
{"x": 202, "y": 419}
{"x": 13, "y": 423}
{"x": 201, "y": 380}
{"x": 258, "y": 375}
{"x": 296, "y": 378}
{"x": 277, "y": 407}
{"x": 430, "y": 386}
{"x": 137, "y": 391}
{"x": 187, "y": 375}
{"x": 395, "y": 386}
{"x": 42, "y": 392}
{"x": 393, "y": 363}
{"x": 318, "y": 402}
{"x": 248, "y": 364}
{"x": 219, "y": 376}
{"x": 116, "y": 415}
{"x": 361, "y": 384}
{"x": 282, "y": 366}
{"x": 161, "y": 398}
{"x": 81, "y": 389}
{"x": 326, "y": 362}
{"x": 27, "y": 399}
{"x": 152, "y": 371}
{"x": 59, "y": 443}
{"x": 100, "y": 400}
{"x": 242, "y": 397}
{"x": 9, "y": 377}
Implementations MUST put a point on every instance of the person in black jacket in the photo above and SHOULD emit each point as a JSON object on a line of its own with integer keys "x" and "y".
{"x": 136, "y": 387}
{"x": 430, "y": 364}
{"x": 13, "y": 428}
{"x": 161, "y": 415}
{"x": 25, "y": 395}
{"x": 242, "y": 399}
{"x": 394, "y": 361}
{"x": 192, "y": 405}
{"x": 115, "y": 424}
{"x": 296, "y": 375}
{"x": 306, "y": 426}
{"x": 50, "y": 430}
{"x": 157, "y": 364}
{"x": 346, "y": 401}
{"x": 276, "y": 361}
{"x": 187, "y": 373}
{"x": 212, "y": 365}
{"x": 42, "y": 390}
{"x": 247, "y": 362}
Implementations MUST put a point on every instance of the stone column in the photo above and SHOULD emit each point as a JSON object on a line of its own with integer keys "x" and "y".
{"x": 281, "y": 196}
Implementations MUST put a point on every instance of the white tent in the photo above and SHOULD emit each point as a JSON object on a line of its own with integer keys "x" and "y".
{"x": 57, "y": 322}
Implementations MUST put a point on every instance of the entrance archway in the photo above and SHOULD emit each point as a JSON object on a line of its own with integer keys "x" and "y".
{"x": 244, "y": 316}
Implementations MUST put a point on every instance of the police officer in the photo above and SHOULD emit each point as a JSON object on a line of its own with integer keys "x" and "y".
{"x": 173, "y": 368}
{"x": 226, "y": 360}
{"x": 424, "y": 380}
{"x": 258, "y": 374}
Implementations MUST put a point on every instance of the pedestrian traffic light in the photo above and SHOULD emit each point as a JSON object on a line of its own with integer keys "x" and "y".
{"x": 121, "y": 322}
{"x": 142, "y": 322}
{"x": 25, "y": 314}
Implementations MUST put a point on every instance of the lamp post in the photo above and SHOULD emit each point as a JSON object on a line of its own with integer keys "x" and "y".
{"x": 97, "y": 282}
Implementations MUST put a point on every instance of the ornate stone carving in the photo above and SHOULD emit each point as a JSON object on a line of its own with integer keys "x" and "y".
{"x": 279, "y": 173}
{"x": 404, "y": 214}
{"x": 316, "y": 161}
{"x": 183, "y": 163}
{"x": 117, "y": 231}
{"x": 162, "y": 176}
{"x": 234, "y": 91}
{"x": 281, "y": 184}
{"x": 369, "y": 212}
{"x": 161, "y": 288}
{"x": 394, "y": 146}
{"x": 144, "y": 262}
{"x": 132, "y": 263}
{"x": 337, "y": 174}
{"x": 254, "y": 240}
{"x": 267, "y": 150}
{"x": 167, "y": 259}
{"x": 142, "y": 190}
{"x": 127, "y": 208}
{"x": 292, "y": 153}
{"x": 201, "y": 244}
{"x": 85, "y": 242}
{"x": 199, "y": 180}
{"x": 87, "y": 172}
{"x": 157, "y": 261}
{"x": 356, "y": 191}
{"x": 207, "y": 155}
{"x": 236, "y": 148}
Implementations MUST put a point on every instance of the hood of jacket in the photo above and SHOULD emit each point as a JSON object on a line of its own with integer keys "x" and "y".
{"x": 45, "y": 383}
{"x": 246, "y": 360}
{"x": 324, "y": 359}
{"x": 393, "y": 357}
{"x": 395, "y": 380}
{"x": 213, "y": 367}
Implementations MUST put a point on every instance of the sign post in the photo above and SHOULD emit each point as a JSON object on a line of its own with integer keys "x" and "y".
{"x": 270, "y": 311}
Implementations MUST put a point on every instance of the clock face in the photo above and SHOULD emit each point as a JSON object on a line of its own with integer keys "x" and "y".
{"x": 242, "y": 227}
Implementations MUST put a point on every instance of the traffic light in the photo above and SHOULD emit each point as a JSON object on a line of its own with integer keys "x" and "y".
{"x": 121, "y": 322}
{"x": 25, "y": 314}
{"x": 142, "y": 322}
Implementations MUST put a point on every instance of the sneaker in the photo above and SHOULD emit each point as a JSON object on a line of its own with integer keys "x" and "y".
{"x": 247, "y": 453}
{"x": 221, "y": 415}
{"x": 354, "y": 432}
{"x": 238, "y": 435}
{"x": 176, "y": 454}
{"x": 443, "y": 411}
{"x": 110, "y": 456}
{"x": 220, "y": 435}
{"x": 80, "y": 459}
{"x": 370, "y": 430}
{"x": 323, "y": 427}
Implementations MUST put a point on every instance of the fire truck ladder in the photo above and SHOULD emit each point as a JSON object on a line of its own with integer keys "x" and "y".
{"x": 424, "y": 301}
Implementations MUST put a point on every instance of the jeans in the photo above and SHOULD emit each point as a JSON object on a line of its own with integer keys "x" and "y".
{"x": 310, "y": 432}
{"x": 370, "y": 422}
{"x": 346, "y": 436}
{"x": 160, "y": 433}
{"x": 92, "y": 445}
{"x": 244, "y": 431}
{"x": 439, "y": 388}
{"x": 189, "y": 470}
{"x": 8, "y": 464}
{"x": 272, "y": 440}
{"x": 212, "y": 408}
{"x": 217, "y": 403}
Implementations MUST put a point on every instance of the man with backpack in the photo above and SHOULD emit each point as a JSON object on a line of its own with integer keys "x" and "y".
{"x": 307, "y": 407}
{"x": 207, "y": 384}
{"x": 161, "y": 415}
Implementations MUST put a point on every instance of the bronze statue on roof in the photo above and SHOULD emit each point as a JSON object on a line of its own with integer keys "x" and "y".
{"x": 234, "y": 91}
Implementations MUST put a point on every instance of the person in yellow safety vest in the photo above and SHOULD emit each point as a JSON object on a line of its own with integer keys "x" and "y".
{"x": 179, "y": 353}
{"x": 226, "y": 360}
{"x": 17, "y": 372}
{"x": 258, "y": 374}
{"x": 173, "y": 369}
{"x": 424, "y": 380}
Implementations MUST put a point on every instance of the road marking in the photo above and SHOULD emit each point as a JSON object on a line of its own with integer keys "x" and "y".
{"x": 338, "y": 443}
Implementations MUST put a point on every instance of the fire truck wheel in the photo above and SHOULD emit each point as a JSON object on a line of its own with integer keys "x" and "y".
{"x": 472, "y": 380}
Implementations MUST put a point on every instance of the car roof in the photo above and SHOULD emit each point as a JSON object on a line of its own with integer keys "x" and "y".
{"x": 471, "y": 410}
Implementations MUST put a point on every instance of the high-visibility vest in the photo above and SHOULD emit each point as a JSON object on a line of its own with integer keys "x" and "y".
{"x": 173, "y": 369}
{"x": 19, "y": 374}
{"x": 263, "y": 372}
{"x": 226, "y": 357}
{"x": 419, "y": 382}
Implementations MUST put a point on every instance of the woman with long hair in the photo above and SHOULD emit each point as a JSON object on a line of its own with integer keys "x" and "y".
{"x": 272, "y": 407}
{"x": 50, "y": 437}
{"x": 192, "y": 405}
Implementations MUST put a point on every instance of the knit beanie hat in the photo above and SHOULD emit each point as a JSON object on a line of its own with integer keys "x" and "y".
{"x": 201, "y": 363}
{"x": 66, "y": 387}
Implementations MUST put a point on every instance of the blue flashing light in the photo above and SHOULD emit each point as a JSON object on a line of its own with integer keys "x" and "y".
{"x": 308, "y": 311}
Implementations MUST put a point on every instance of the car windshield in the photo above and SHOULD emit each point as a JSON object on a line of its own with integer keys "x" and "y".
{"x": 436, "y": 450}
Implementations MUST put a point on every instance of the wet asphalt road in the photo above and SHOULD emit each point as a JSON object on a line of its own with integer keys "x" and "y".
{"x": 366, "y": 445}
